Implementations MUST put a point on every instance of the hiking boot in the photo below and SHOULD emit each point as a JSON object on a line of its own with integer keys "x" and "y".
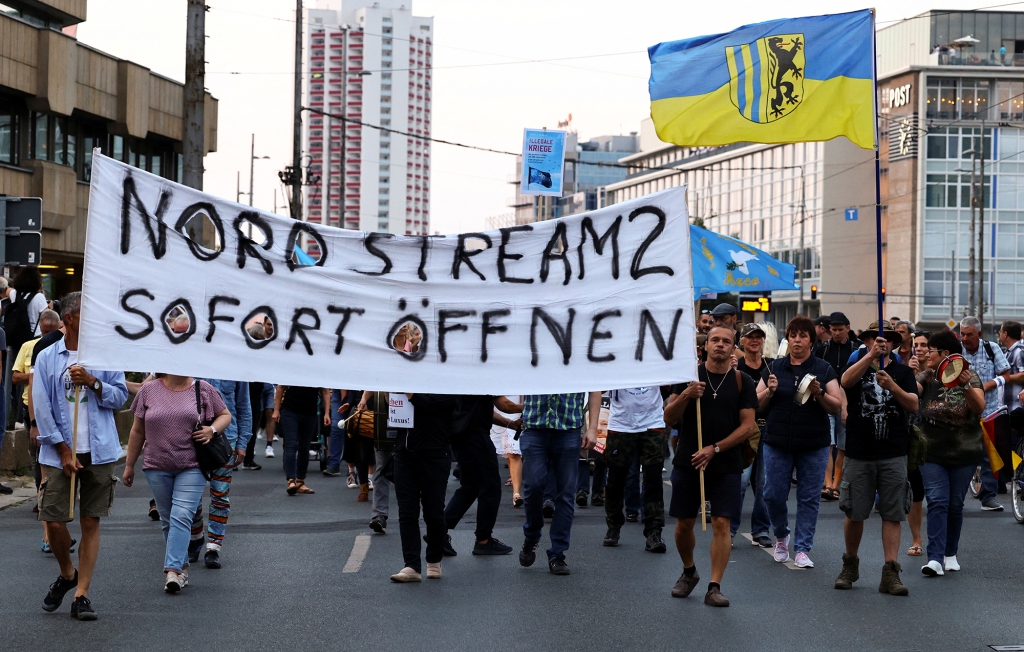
{"x": 714, "y": 598}
{"x": 528, "y": 554}
{"x": 654, "y": 543}
{"x": 611, "y": 539}
{"x": 891, "y": 583}
{"x": 57, "y": 592}
{"x": 685, "y": 585}
{"x": 850, "y": 572}
{"x": 379, "y": 524}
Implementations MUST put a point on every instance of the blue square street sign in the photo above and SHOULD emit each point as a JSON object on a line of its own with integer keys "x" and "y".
{"x": 851, "y": 214}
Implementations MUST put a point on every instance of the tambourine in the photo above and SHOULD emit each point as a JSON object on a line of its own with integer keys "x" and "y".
{"x": 803, "y": 390}
{"x": 783, "y": 349}
{"x": 950, "y": 369}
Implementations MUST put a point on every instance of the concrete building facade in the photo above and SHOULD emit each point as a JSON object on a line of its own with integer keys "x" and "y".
{"x": 60, "y": 99}
{"x": 369, "y": 62}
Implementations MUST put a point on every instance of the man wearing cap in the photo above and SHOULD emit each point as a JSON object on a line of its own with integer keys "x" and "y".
{"x": 836, "y": 351}
{"x": 821, "y": 325}
{"x": 724, "y": 314}
{"x": 880, "y": 398}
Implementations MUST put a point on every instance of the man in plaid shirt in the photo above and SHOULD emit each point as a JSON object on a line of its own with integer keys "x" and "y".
{"x": 552, "y": 442}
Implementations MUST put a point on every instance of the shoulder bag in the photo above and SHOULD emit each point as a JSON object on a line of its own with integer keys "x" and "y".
{"x": 215, "y": 453}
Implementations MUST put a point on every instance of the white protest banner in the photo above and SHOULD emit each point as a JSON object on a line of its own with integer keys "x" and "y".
{"x": 600, "y": 300}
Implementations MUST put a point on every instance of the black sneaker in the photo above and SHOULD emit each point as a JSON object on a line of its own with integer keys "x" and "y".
{"x": 611, "y": 539}
{"x": 654, "y": 543}
{"x": 57, "y": 591}
{"x": 597, "y": 500}
{"x": 763, "y": 540}
{"x": 528, "y": 554}
{"x": 632, "y": 517}
{"x": 492, "y": 547}
{"x": 212, "y": 559}
{"x": 379, "y": 524}
{"x": 447, "y": 550}
{"x": 549, "y": 509}
{"x": 581, "y": 498}
{"x": 332, "y": 472}
{"x": 81, "y": 609}
{"x": 251, "y": 467}
{"x": 557, "y": 566}
{"x": 195, "y": 546}
{"x": 6, "y": 491}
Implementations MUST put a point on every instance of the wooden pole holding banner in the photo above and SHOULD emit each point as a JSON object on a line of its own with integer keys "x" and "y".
{"x": 74, "y": 453}
{"x": 700, "y": 446}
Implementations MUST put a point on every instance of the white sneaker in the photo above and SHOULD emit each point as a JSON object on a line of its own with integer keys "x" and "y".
{"x": 173, "y": 582}
{"x": 932, "y": 569}
{"x": 369, "y": 484}
{"x": 803, "y": 561}
{"x": 352, "y": 484}
{"x": 406, "y": 575}
{"x": 434, "y": 571}
{"x": 782, "y": 550}
{"x": 312, "y": 454}
{"x": 261, "y": 434}
{"x": 270, "y": 451}
{"x": 950, "y": 563}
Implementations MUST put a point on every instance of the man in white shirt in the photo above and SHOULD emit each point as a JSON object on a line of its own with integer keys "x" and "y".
{"x": 636, "y": 423}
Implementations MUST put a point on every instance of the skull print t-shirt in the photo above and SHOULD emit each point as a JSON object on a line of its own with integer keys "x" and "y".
{"x": 876, "y": 424}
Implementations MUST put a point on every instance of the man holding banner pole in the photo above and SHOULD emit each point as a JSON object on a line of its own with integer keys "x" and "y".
{"x": 718, "y": 415}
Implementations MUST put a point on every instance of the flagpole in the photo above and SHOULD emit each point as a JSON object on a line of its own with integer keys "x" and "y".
{"x": 878, "y": 179}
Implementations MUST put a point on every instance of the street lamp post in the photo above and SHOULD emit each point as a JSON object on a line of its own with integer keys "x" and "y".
{"x": 252, "y": 162}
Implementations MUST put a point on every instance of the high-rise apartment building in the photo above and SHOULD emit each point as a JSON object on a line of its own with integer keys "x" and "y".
{"x": 369, "y": 62}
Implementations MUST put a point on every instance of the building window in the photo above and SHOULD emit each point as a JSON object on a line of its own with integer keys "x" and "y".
{"x": 40, "y": 137}
{"x": 8, "y": 134}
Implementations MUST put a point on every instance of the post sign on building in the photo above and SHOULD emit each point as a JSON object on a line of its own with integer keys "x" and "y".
{"x": 543, "y": 162}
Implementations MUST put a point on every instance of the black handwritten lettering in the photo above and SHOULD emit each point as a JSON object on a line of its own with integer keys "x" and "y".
{"x": 293, "y": 239}
{"x": 298, "y": 329}
{"x": 667, "y": 350}
{"x": 506, "y": 234}
{"x": 370, "y": 243}
{"x": 563, "y": 336}
{"x": 559, "y": 244}
{"x": 491, "y": 329}
{"x": 214, "y": 318}
{"x": 601, "y": 335}
{"x": 443, "y": 327}
{"x": 346, "y": 315}
{"x": 139, "y": 292}
{"x": 587, "y": 225}
{"x": 463, "y": 256}
{"x": 157, "y": 239}
{"x": 197, "y": 249}
{"x": 179, "y": 338}
{"x": 247, "y": 246}
{"x": 424, "y": 251}
{"x": 260, "y": 310}
{"x": 635, "y": 270}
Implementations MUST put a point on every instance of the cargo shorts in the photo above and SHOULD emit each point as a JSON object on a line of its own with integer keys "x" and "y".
{"x": 863, "y": 478}
{"x": 95, "y": 482}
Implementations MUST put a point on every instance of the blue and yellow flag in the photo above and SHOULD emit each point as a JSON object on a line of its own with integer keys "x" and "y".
{"x": 782, "y": 81}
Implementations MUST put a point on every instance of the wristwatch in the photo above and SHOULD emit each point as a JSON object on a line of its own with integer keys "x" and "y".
{"x": 717, "y": 450}
{"x": 96, "y": 385}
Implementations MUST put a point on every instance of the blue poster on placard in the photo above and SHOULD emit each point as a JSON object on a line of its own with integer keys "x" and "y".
{"x": 543, "y": 162}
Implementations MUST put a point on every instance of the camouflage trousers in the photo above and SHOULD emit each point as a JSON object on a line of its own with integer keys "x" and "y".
{"x": 620, "y": 448}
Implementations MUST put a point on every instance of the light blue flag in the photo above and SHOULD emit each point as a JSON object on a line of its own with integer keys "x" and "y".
{"x": 302, "y": 258}
{"x": 723, "y": 264}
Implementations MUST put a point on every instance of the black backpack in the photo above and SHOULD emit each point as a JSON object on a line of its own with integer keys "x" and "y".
{"x": 16, "y": 322}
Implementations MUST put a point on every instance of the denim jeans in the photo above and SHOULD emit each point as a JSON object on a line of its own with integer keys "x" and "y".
{"x": 945, "y": 487}
{"x": 177, "y": 495}
{"x": 556, "y": 452}
{"x": 337, "y": 444}
{"x": 810, "y": 474}
{"x": 599, "y": 475}
{"x": 297, "y": 431}
{"x": 754, "y": 476}
{"x": 381, "y": 486}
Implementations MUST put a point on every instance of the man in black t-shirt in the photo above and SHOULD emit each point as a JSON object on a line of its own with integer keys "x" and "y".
{"x": 727, "y": 422}
{"x": 877, "y": 433}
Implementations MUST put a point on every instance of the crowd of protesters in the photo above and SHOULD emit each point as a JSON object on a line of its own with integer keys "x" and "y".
{"x": 866, "y": 418}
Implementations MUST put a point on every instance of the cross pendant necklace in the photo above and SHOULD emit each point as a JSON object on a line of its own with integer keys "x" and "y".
{"x": 714, "y": 390}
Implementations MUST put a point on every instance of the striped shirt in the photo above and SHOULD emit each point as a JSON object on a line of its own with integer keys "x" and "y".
{"x": 170, "y": 417}
{"x": 554, "y": 411}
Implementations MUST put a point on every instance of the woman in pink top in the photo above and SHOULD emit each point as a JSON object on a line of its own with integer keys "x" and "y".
{"x": 166, "y": 416}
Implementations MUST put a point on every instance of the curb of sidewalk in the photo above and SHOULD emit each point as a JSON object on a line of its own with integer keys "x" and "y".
{"x": 24, "y": 490}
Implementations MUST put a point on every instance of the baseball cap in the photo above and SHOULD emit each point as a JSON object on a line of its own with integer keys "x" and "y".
{"x": 822, "y": 321}
{"x": 840, "y": 318}
{"x": 723, "y": 309}
{"x": 751, "y": 328}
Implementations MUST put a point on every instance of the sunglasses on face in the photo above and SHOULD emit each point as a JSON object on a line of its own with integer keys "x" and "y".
{"x": 705, "y": 312}
{"x": 922, "y": 333}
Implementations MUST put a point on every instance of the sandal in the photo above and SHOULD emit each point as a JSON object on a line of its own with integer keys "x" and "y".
{"x": 517, "y": 500}
{"x": 292, "y": 487}
{"x": 826, "y": 493}
{"x": 835, "y": 494}
{"x": 508, "y": 483}
{"x": 300, "y": 487}
{"x": 914, "y": 551}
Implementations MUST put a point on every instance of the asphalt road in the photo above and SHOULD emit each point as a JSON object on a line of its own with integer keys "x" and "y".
{"x": 295, "y": 578}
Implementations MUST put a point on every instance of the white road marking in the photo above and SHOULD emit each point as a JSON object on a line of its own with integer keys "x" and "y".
{"x": 791, "y": 565}
{"x": 359, "y": 550}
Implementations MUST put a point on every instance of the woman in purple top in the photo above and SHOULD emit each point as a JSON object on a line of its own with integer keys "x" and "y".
{"x": 165, "y": 422}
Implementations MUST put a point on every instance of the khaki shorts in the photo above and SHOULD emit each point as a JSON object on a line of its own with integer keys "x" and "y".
{"x": 95, "y": 491}
{"x": 862, "y": 479}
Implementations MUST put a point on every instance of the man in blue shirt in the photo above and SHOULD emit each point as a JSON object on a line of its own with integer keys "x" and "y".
{"x": 552, "y": 443}
{"x": 987, "y": 359}
{"x": 59, "y": 384}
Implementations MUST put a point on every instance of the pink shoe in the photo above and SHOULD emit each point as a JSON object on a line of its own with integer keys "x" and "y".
{"x": 782, "y": 550}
